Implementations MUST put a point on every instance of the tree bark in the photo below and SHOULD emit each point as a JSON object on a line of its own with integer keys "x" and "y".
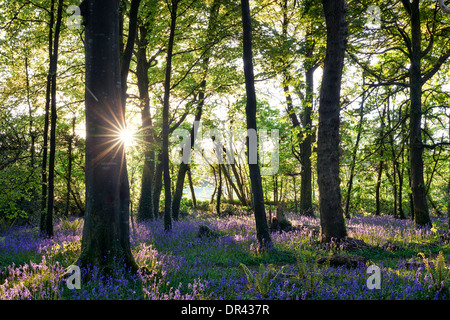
{"x": 378, "y": 186}
{"x": 331, "y": 215}
{"x": 31, "y": 132}
{"x": 448, "y": 185}
{"x": 421, "y": 214}
{"x": 305, "y": 145}
{"x": 106, "y": 232}
{"x": 128, "y": 51}
{"x": 157, "y": 186}
{"x": 262, "y": 230}
{"x": 44, "y": 186}
{"x": 400, "y": 170}
{"x": 397, "y": 176}
{"x": 191, "y": 186}
{"x": 306, "y": 205}
{"x": 219, "y": 193}
{"x": 444, "y": 8}
{"x": 145, "y": 206}
{"x": 165, "y": 124}
{"x": 69, "y": 168}
{"x": 53, "y": 118}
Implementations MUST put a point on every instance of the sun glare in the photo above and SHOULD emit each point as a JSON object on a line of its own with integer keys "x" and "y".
{"x": 126, "y": 136}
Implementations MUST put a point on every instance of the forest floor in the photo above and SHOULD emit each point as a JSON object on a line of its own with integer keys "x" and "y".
{"x": 225, "y": 263}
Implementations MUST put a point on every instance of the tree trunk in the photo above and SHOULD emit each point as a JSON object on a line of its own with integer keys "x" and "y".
{"x": 380, "y": 164}
{"x": 393, "y": 178}
{"x": 378, "y": 186}
{"x": 219, "y": 192}
{"x": 354, "y": 153}
{"x": 31, "y": 132}
{"x": 69, "y": 168}
{"x": 448, "y": 186}
{"x": 191, "y": 186}
{"x": 179, "y": 187}
{"x": 239, "y": 180}
{"x": 145, "y": 206}
{"x": 53, "y": 118}
{"x": 306, "y": 206}
{"x": 331, "y": 215}
{"x": 421, "y": 214}
{"x": 184, "y": 167}
{"x": 165, "y": 124}
{"x": 401, "y": 213}
{"x": 239, "y": 192}
{"x": 262, "y": 230}
{"x": 157, "y": 186}
{"x": 44, "y": 186}
{"x": 295, "y": 194}
{"x": 305, "y": 145}
{"x": 76, "y": 198}
{"x": 128, "y": 51}
{"x": 106, "y": 232}
{"x": 444, "y": 8}
{"x": 126, "y": 54}
{"x": 32, "y": 135}
{"x": 275, "y": 190}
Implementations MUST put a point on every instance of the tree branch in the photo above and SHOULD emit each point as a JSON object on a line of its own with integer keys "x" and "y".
{"x": 433, "y": 146}
{"x": 430, "y": 73}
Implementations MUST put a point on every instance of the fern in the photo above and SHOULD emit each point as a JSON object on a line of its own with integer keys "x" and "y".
{"x": 68, "y": 226}
{"x": 262, "y": 280}
{"x": 309, "y": 271}
{"x": 438, "y": 271}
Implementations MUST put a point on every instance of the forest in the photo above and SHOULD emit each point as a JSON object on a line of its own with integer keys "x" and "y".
{"x": 224, "y": 150}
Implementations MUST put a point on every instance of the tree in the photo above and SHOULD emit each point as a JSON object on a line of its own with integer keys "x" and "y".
{"x": 448, "y": 184}
{"x": 313, "y": 56}
{"x": 105, "y": 241}
{"x": 184, "y": 167}
{"x": 262, "y": 231}
{"x": 353, "y": 160}
{"x": 143, "y": 64}
{"x": 51, "y": 159}
{"x": 165, "y": 116}
{"x": 44, "y": 185}
{"x": 417, "y": 78}
{"x": 421, "y": 215}
{"x": 127, "y": 50}
{"x": 296, "y": 46}
{"x": 331, "y": 215}
{"x": 411, "y": 57}
{"x": 70, "y": 140}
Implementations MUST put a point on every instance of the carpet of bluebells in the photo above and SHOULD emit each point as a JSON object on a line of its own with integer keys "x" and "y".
{"x": 226, "y": 263}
